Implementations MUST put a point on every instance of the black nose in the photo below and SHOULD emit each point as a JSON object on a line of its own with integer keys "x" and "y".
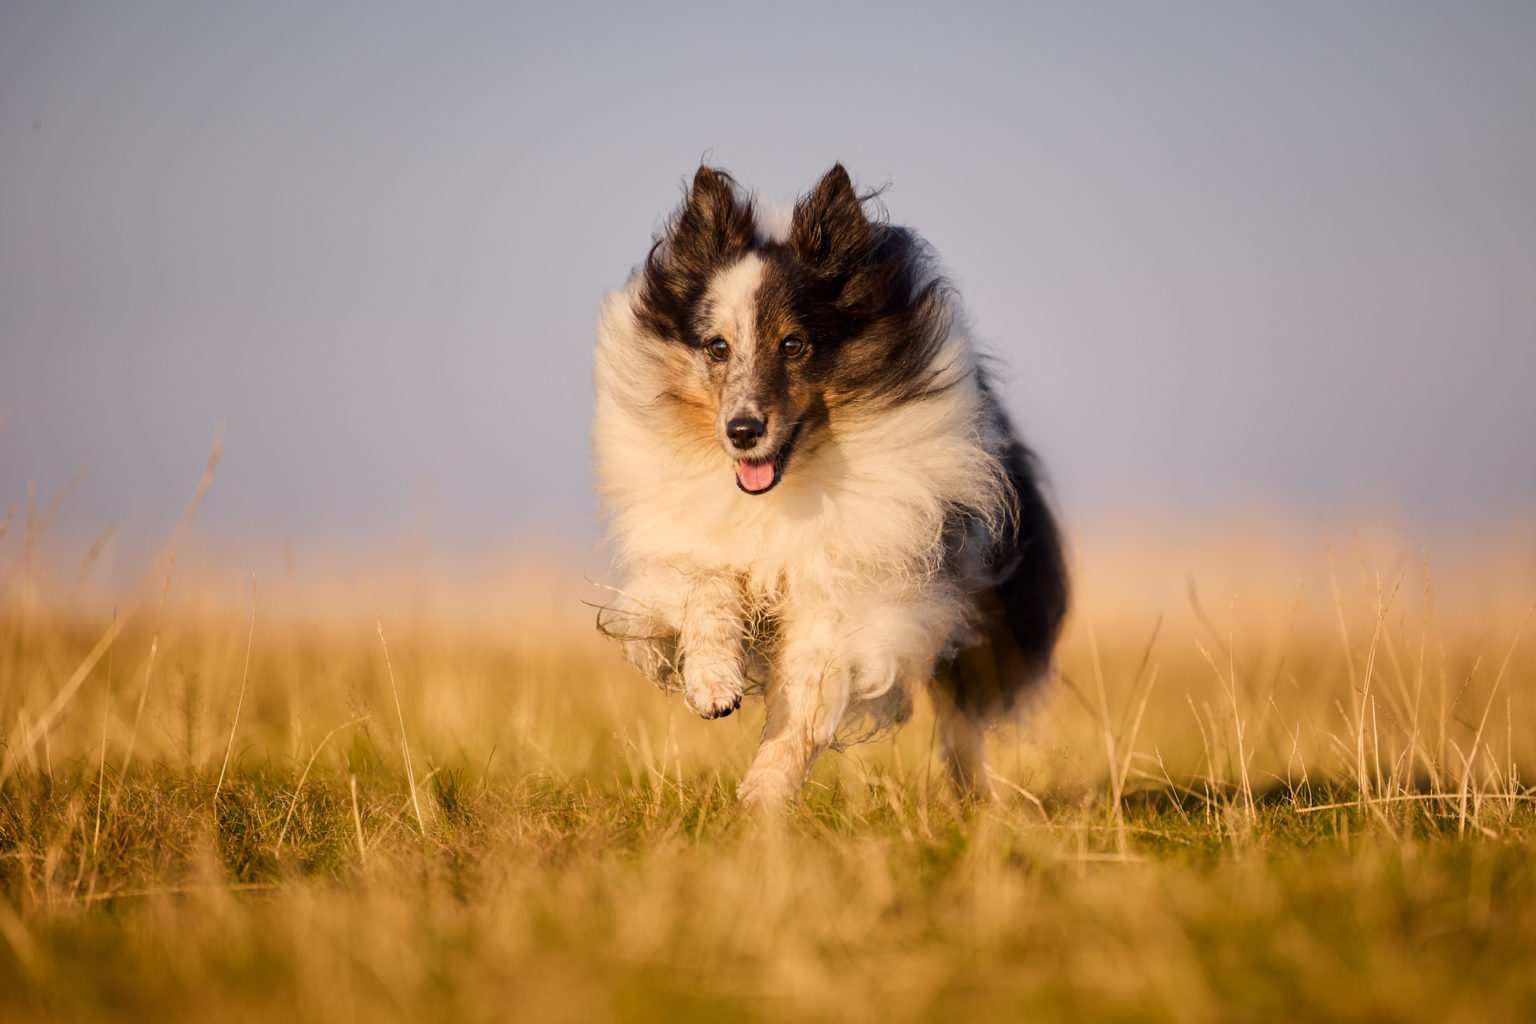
{"x": 745, "y": 432}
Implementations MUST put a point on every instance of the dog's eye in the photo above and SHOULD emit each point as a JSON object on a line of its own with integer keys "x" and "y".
{"x": 793, "y": 347}
{"x": 718, "y": 349}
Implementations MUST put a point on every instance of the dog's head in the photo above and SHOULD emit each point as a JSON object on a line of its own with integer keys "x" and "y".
{"x": 777, "y": 331}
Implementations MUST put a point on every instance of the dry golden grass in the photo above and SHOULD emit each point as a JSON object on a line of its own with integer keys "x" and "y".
{"x": 1263, "y": 789}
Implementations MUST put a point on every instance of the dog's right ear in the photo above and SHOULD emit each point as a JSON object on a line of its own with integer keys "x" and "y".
{"x": 714, "y": 224}
{"x": 712, "y": 227}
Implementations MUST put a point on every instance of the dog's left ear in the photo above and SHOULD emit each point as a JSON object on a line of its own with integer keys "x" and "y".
{"x": 829, "y": 230}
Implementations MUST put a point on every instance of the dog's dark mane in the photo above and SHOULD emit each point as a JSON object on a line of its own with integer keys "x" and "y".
{"x": 1029, "y": 571}
{"x": 884, "y": 322}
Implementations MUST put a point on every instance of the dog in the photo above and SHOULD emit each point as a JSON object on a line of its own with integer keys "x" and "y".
{"x": 813, "y": 491}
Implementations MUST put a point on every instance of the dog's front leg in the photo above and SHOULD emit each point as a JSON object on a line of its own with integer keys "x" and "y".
{"x": 713, "y": 644}
{"x": 806, "y": 700}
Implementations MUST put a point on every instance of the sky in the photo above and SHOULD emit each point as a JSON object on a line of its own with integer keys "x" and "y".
{"x": 1232, "y": 255}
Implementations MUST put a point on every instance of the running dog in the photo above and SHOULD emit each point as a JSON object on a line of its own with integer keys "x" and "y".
{"x": 812, "y": 490}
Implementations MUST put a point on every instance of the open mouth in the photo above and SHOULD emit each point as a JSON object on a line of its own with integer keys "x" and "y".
{"x": 757, "y": 476}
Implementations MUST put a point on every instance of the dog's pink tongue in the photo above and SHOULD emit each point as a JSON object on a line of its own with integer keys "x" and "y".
{"x": 755, "y": 476}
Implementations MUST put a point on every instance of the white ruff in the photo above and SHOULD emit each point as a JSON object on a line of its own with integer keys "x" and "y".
{"x": 852, "y": 536}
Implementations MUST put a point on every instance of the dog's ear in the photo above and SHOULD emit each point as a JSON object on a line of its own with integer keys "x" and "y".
{"x": 829, "y": 230}
{"x": 712, "y": 227}
{"x": 714, "y": 224}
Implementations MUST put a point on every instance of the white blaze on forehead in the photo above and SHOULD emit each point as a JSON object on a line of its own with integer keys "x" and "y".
{"x": 733, "y": 300}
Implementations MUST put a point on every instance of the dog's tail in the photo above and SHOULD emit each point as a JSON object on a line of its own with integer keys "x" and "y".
{"x": 1021, "y": 613}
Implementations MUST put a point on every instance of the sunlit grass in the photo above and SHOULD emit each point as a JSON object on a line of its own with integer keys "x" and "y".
{"x": 1264, "y": 787}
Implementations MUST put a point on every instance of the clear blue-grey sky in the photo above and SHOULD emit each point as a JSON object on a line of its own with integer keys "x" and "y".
{"x": 1235, "y": 254}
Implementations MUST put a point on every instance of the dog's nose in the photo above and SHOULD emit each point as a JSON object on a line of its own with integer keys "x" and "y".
{"x": 745, "y": 432}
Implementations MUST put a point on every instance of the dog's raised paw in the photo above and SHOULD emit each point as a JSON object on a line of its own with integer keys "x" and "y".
{"x": 715, "y": 705}
{"x": 712, "y": 690}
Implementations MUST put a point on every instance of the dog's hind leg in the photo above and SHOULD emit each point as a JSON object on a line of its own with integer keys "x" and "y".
{"x": 965, "y": 751}
{"x": 713, "y": 644}
{"x": 806, "y": 700}
{"x": 962, "y": 736}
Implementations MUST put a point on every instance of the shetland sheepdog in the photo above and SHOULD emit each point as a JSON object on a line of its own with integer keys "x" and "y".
{"x": 812, "y": 489}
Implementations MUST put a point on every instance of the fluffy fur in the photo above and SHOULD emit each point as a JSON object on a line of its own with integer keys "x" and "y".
{"x": 884, "y": 529}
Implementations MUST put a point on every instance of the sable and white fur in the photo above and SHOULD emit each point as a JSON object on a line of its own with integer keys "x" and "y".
{"x": 884, "y": 529}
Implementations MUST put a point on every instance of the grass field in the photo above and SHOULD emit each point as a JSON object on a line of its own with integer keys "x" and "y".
{"x": 1264, "y": 789}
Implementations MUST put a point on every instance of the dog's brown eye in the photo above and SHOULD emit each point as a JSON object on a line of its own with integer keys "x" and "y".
{"x": 792, "y": 346}
{"x": 718, "y": 349}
